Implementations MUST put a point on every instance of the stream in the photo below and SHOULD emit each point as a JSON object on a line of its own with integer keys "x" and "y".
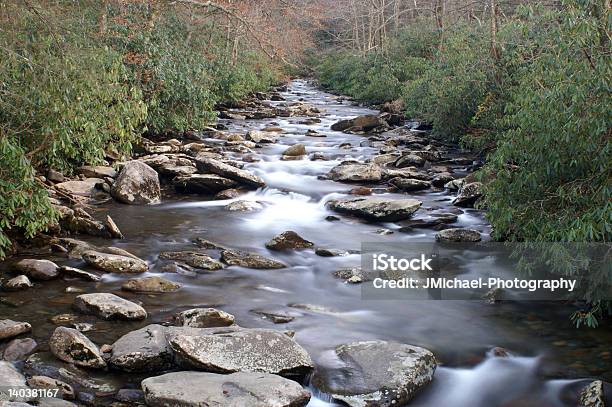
{"x": 548, "y": 356}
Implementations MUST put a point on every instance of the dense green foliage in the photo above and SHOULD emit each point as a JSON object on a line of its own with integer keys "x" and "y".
{"x": 83, "y": 79}
{"x": 539, "y": 109}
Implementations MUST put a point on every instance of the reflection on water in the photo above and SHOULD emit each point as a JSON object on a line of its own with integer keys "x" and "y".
{"x": 458, "y": 332}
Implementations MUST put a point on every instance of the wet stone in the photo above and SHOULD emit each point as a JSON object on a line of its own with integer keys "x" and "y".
{"x": 109, "y": 306}
{"x": 143, "y": 350}
{"x": 72, "y": 346}
{"x": 288, "y": 240}
{"x": 199, "y": 261}
{"x": 204, "y": 318}
{"x": 19, "y": 349}
{"x": 249, "y": 260}
{"x": 21, "y": 282}
{"x": 10, "y": 328}
{"x": 37, "y": 269}
{"x": 150, "y": 285}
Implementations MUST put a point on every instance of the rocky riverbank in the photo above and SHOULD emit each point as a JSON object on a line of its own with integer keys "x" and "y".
{"x": 131, "y": 329}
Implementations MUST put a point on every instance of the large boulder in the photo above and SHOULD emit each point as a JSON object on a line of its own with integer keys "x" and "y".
{"x": 458, "y": 235}
{"x": 137, "y": 184}
{"x": 197, "y": 389}
{"x": 108, "y": 306}
{"x": 208, "y": 184}
{"x": 355, "y": 172}
{"x": 10, "y": 328}
{"x": 468, "y": 195}
{"x": 114, "y": 263}
{"x": 228, "y": 350}
{"x": 377, "y": 209}
{"x": 410, "y": 184}
{"x": 207, "y": 164}
{"x": 376, "y": 373}
{"x": 249, "y": 260}
{"x": 204, "y": 318}
{"x": 37, "y": 269}
{"x": 72, "y": 346}
{"x": 143, "y": 350}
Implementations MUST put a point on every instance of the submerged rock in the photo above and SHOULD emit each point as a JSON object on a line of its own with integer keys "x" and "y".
{"x": 355, "y": 172}
{"x": 204, "y": 318}
{"x": 288, "y": 240}
{"x": 197, "y": 389}
{"x": 109, "y": 306}
{"x": 72, "y": 346}
{"x": 197, "y": 260}
{"x": 378, "y": 209}
{"x": 114, "y": 263}
{"x": 38, "y": 269}
{"x": 10, "y": 328}
{"x": 227, "y": 350}
{"x": 376, "y": 373}
{"x": 206, "y": 164}
{"x": 249, "y": 260}
{"x": 458, "y": 235}
{"x": 143, "y": 350}
{"x": 137, "y": 184}
{"x": 153, "y": 284}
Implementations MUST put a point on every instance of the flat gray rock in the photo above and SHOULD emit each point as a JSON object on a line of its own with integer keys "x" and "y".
{"x": 227, "y": 350}
{"x": 249, "y": 260}
{"x": 458, "y": 235}
{"x": 356, "y": 172}
{"x": 73, "y": 347}
{"x": 194, "y": 259}
{"x": 10, "y": 328}
{"x": 109, "y": 306}
{"x": 114, "y": 263}
{"x": 198, "y": 389}
{"x": 143, "y": 350}
{"x": 377, "y": 209}
{"x": 152, "y": 284}
{"x": 376, "y": 373}
{"x": 208, "y": 184}
{"x": 207, "y": 164}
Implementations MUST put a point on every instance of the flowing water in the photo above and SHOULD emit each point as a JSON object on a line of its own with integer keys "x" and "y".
{"x": 460, "y": 333}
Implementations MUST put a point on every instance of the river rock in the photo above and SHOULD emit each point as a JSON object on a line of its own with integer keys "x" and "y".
{"x": 260, "y": 137}
{"x": 390, "y": 173}
{"x": 72, "y": 346}
{"x": 208, "y": 184}
{"x": 10, "y": 376}
{"x": 458, "y": 235}
{"x": 204, "y": 318}
{"x": 137, "y": 184}
{"x": 409, "y": 184}
{"x": 278, "y": 316}
{"x": 455, "y": 184}
{"x": 593, "y": 395}
{"x": 21, "y": 282}
{"x": 38, "y": 269}
{"x": 377, "y": 209}
{"x": 244, "y": 206}
{"x": 97, "y": 171}
{"x": 109, "y": 306}
{"x": 18, "y": 349}
{"x": 288, "y": 240}
{"x": 295, "y": 150}
{"x": 436, "y": 221}
{"x": 441, "y": 179}
{"x": 114, "y": 263}
{"x": 226, "y": 350}
{"x": 143, "y": 350}
{"x": 376, "y": 373}
{"x": 75, "y": 272}
{"x": 352, "y": 275}
{"x": 206, "y": 164}
{"x": 197, "y": 389}
{"x": 43, "y": 382}
{"x": 361, "y": 123}
{"x": 409, "y": 160}
{"x": 84, "y": 188}
{"x": 249, "y": 260}
{"x": 326, "y": 252}
{"x": 150, "y": 285}
{"x": 197, "y": 260}
{"x": 468, "y": 195}
{"x": 112, "y": 228}
{"x": 85, "y": 225}
{"x": 10, "y": 328}
{"x": 355, "y": 172}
